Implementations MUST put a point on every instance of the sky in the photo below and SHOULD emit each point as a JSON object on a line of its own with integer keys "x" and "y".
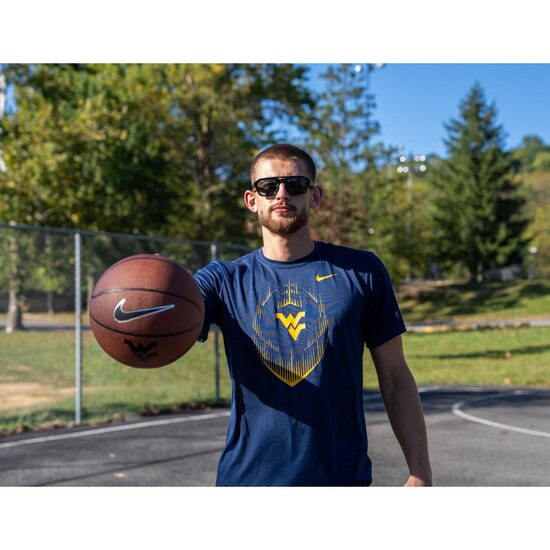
{"x": 415, "y": 100}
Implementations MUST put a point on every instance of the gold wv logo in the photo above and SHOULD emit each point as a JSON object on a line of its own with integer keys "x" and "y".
{"x": 291, "y": 323}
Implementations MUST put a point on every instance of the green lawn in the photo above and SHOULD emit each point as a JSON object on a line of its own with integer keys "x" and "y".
{"x": 37, "y": 373}
{"x": 38, "y": 366}
{"x": 517, "y": 357}
{"x": 519, "y": 299}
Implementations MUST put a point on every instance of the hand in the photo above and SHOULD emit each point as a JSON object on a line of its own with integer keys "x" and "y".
{"x": 414, "y": 481}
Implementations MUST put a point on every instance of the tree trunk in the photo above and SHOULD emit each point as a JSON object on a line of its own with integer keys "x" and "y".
{"x": 480, "y": 273}
{"x": 15, "y": 303}
{"x": 15, "y": 311}
{"x": 50, "y": 303}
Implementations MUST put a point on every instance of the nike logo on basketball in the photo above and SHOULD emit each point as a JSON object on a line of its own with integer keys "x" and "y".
{"x": 320, "y": 278}
{"x": 121, "y": 316}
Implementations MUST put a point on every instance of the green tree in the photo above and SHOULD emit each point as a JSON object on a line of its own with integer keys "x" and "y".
{"x": 400, "y": 219}
{"x": 526, "y": 154}
{"x": 150, "y": 149}
{"x": 219, "y": 116}
{"x": 366, "y": 203}
{"x": 339, "y": 140}
{"x": 541, "y": 162}
{"x": 83, "y": 149}
{"x": 158, "y": 149}
{"x": 390, "y": 237}
{"x": 478, "y": 209}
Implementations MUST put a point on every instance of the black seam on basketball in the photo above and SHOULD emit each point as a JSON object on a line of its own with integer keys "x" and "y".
{"x": 147, "y": 290}
{"x": 144, "y": 335}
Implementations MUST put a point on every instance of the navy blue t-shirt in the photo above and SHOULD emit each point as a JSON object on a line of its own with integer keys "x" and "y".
{"x": 294, "y": 335}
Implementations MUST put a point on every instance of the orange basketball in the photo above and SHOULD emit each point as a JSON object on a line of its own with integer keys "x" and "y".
{"x": 146, "y": 311}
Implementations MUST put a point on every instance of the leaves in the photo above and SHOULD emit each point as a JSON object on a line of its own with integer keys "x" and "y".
{"x": 161, "y": 149}
{"x": 477, "y": 210}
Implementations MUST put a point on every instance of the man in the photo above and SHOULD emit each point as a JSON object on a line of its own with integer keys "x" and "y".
{"x": 295, "y": 316}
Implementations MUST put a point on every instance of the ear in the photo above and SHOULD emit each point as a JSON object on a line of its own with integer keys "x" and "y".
{"x": 316, "y": 197}
{"x": 250, "y": 200}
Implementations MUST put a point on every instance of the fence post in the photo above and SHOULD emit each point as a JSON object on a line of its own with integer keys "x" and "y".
{"x": 78, "y": 327}
{"x": 213, "y": 256}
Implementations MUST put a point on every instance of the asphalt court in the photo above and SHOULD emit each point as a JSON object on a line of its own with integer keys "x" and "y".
{"x": 478, "y": 437}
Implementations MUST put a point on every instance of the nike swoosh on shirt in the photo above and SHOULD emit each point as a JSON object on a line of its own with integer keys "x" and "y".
{"x": 320, "y": 278}
{"x": 121, "y": 316}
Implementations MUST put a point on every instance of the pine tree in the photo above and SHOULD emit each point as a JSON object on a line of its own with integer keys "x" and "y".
{"x": 478, "y": 218}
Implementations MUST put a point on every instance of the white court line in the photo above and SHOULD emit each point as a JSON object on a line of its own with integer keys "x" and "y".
{"x": 123, "y": 427}
{"x": 457, "y": 406}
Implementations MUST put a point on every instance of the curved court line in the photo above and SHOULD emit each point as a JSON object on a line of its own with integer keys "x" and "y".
{"x": 124, "y": 427}
{"x": 455, "y": 408}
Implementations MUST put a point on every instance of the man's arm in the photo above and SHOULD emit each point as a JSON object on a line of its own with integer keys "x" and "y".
{"x": 402, "y": 402}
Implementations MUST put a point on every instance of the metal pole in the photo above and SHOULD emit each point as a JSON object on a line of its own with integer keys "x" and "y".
{"x": 409, "y": 165}
{"x": 78, "y": 328}
{"x": 409, "y": 219}
{"x": 2, "y": 110}
{"x": 214, "y": 255}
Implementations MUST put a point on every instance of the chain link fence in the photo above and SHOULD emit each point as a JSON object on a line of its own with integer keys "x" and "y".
{"x": 52, "y": 371}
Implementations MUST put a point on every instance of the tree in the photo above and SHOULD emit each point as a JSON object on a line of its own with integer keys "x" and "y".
{"x": 160, "y": 149}
{"x": 149, "y": 149}
{"x": 219, "y": 116}
{"x": 365, "y": 203}
{"x": 400, "y": 218}
{"x": 80, "y": 153}
{"x": 83, "y": 149}
{"x": 477, "y": 213}
{"x": 528, "y": 152}
{"x": 339, "y": 140}
{"x": 541, "y": 163}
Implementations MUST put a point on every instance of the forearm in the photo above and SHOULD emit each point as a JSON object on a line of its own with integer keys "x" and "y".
{"x": 404, "y": 411}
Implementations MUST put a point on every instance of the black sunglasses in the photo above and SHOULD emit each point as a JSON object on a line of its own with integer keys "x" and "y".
{"x": 269, "y": 187}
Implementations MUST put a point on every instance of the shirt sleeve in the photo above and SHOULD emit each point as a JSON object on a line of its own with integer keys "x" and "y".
{"x": 383, "y": 320}
{"x": 209, "y": 280}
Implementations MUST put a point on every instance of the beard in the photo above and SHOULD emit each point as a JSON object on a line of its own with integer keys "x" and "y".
{"x": 283, "y": 226}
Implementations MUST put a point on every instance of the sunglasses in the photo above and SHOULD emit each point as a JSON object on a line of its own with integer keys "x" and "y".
{"x": 269, "y": 187}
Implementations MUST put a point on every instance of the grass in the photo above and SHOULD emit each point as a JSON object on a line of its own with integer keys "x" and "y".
{"x": 37, "y": 368}
{"x": 37, "y": 376}
{"x": 433, "y": 302}
{"x": 500, "y": 357}
{"x": 41, "y": 365}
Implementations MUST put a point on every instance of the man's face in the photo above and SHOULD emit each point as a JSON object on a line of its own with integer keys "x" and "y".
{"x": 282, "y": 214}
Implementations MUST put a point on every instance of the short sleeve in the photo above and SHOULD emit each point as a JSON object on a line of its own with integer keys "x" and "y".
{"x": 209, "y": 280}
{"x": 383, "y": 320}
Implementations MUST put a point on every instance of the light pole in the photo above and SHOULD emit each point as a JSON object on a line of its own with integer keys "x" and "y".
{"x": 409, "y": 165}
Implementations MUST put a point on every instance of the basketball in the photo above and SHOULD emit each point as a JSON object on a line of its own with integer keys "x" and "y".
{"x": 146, "y": 311}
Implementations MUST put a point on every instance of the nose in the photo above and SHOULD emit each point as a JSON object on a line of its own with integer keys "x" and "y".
{"x": 282, "y": 193}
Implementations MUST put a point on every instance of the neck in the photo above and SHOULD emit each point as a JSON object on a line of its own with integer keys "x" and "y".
{"x": 287, "y": 248}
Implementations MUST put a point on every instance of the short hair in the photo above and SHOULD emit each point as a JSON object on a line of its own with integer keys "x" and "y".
{"x": 285, "y": 151}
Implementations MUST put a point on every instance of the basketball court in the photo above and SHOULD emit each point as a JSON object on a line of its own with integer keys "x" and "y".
{"x": 478, "y": 437}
